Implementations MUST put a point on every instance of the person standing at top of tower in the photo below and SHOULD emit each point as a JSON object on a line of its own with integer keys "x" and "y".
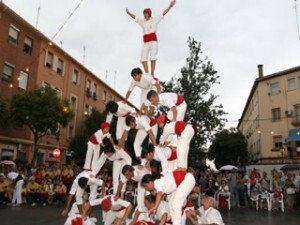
{"x": 149, "y": 26}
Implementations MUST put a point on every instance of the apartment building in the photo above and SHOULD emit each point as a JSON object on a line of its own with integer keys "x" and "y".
{"x": 271, "y": 117}
{"x": 29, "y": 59}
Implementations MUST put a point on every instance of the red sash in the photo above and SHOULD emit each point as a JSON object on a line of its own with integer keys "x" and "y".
{"x": 93, "y": 140}
{"x": 179, "y": 100}
{"x": 179, "y": 176}
{"x": 120, "y": 209}
{"x": 179, "y": 127}
{"x": 188, "y": 204}
{"x": 67, "y": 179}
{"x": 127, "y": 114}
{"x": 169, "y": 221}
{"x": 152, "y": 122}
{"x": 150, "y": 37}
{"x": 173, "y": 155}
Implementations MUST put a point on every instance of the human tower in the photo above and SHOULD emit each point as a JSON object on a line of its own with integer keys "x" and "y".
{"x": 163, "y": 181}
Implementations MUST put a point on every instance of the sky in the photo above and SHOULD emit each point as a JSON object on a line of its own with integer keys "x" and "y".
{"x": 235, "y": 35}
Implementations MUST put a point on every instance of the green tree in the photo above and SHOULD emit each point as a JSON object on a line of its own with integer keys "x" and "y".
{"x": 4, "y": 112}
{"x": 42, "y": 111}
{"x": 78, "y": 145}
{"x": 194, "y": 84}
{"x": 228, "y": 147}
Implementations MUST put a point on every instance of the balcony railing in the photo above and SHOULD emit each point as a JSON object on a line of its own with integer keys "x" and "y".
{"x": 296, "y": 120}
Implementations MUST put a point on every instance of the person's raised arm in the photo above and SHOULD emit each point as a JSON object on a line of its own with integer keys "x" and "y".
{"x": 130, "y": 14}
{"x": 127, "y": 96}
{"x": 174, "y": 110}
{"x": 152, "y": 137}
{"x": 112, "y": 141}
{"x": 170, "y": 7}
{"x": 122, "y": 140}
{"x": 119, "y": 190}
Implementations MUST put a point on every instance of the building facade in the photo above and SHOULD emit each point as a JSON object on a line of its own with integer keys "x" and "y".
{"x": 29, "y": 60}
{"x": 271, "y": 118}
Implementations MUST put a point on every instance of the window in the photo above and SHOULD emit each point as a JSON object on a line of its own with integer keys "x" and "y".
{"x": 45, "y": 84}
{"x": 277, "y": 142}
{"x": 60, "y": 67}
{"x": 73, "y": 104}
{"x": 276, "y": 115}
{"x": 95, "y": 93}
{"x": 8, "y": 71}
{"x": 104, "y": 96}
{"x": 13, "y": 35}
{"x": 274, "y": 88}
{"x": 23, "y": 80}
{"x": 88, "y": 88}
{"x": 49, "y": 60}
{"x": 75, "y": 77}
{"x": 27, "y": 48}
{"x": 292, "y": 83}
{"x": 71, "y": 131}
{"x": 87, "y": 110}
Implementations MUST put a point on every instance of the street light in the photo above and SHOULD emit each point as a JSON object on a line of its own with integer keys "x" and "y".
{"x": 282, "y": 150}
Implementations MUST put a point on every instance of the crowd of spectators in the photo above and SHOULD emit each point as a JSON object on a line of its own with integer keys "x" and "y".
{"x": 50, "y": 185}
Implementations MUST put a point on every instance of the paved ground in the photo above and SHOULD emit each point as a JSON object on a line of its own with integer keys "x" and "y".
{"x": 50, "y": 215}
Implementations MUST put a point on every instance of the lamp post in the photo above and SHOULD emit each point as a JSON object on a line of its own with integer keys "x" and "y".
{"x": 282, "y": 150}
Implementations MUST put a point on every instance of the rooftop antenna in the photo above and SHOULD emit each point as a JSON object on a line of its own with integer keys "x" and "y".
{"x": 106, "y": 75}
{"x": 83, "y": 58}
{"x": 38, "y": 15}
{"x": 297, "y": 18}
{"x": 61, "y": 44}
{"x": 115, "y": 78}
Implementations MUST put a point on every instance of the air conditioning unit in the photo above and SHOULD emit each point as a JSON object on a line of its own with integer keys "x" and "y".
{"x": 289, "y": 112}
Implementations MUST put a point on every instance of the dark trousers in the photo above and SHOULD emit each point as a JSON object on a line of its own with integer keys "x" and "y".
{"x": 31, "y": 197}
{"x": 242, "y": 196}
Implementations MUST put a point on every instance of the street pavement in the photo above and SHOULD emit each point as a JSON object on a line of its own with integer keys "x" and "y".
{"x": 50, "y": 215}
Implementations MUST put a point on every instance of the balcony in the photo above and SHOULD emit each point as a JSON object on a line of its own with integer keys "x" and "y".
{"x": 88, "y": 92}
{"x": 296, "y": 121}
{"x": 95, "y": 96}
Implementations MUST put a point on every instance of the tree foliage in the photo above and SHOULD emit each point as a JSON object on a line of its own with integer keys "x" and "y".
{"x": 228, "y": 147}
{"x": 194, "y": 84}
{"x": 4, "y": 112}
{"x": 42, "y": 111}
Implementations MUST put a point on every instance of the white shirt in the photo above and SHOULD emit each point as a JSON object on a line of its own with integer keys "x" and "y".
{"x": 123, "y": 110}
{"x": 169, "y": 129}
{"x": 142, "y": 123}
{"x": 87, "y": 174}
{"x": 211, "y": 215}
{"x": 159, "y": 155}
{"x": 166, "y": 184}
{"x": 115, "y": 205}
{"x": 168, "y": 99}
{"x": 138, "y": 174}
{"x": 149, "y": 26}
{"x": 146, "y": 82}
{"x": 119, "y": 154}
{"x": 161, "y": 210}
{"x": 100, "y": 136}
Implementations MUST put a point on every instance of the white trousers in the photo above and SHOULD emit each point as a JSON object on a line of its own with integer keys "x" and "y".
{"x": 149, "y": 48}
{"x": 120, "y": 127}
{"x": 183, "y": 146}
{"x": 111, "y": 216}
{"x": 17, "y": 195}
{"x": 92, "y": 156}
{"x": 179, "y": 197}
{"x": 139, "y": 139}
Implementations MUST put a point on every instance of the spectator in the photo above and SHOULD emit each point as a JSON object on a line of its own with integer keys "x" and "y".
{"x": 210, "y": 189}
{"x": 44, "y": 192}
{"x": 3, "y": 188}
{"x": 265, "y": 182}
{"x": 67, "y": 175}
{"x": 31, "y": 191}
{"x": 207, "y": 214}
{"x": 60, "y": 193}
{"x": 289, "y": 191}
{"x": 223, "y": 193}
{"x": 240, "y": 185}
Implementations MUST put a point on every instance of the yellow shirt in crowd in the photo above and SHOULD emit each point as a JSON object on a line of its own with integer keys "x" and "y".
{"x": 67, "y": 173}
{"x": 3, "y": 186}
{"x": 60, "y": 189}
{"x": 32, "y": 187}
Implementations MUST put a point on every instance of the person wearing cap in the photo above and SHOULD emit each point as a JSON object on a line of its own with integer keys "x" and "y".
{"x": 149, "y": 26}
{"x": 135, "y": 173}
{"x": 174, "y": 102}
{"x": 94, "y": 143}
{"x": 146, "y": 83}
{"x": 144, "y": 126}
{"x": 206, "y": 214}
{"x": 176, "y": 185}
{"x": 120, "y": 110}
{"x": 119, "y": 157}
{"x": 185, "y": 133}
{"x": 117, "y": 210}
{"x": 82, "y": 181}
